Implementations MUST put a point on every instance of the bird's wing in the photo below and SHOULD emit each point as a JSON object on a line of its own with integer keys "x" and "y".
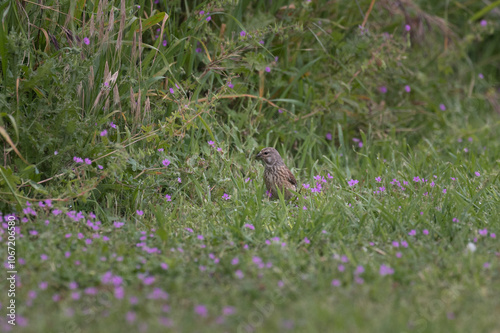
{"x": 291, "y": 178}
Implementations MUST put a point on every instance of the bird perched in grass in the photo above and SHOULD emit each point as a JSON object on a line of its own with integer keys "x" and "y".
{"x": 276, "y": 174}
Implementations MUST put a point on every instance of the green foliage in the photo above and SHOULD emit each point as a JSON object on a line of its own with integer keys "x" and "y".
{"x": 116, "y": 107}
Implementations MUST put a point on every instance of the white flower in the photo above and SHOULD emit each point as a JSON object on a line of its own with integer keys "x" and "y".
{"x": 471, "y": 247}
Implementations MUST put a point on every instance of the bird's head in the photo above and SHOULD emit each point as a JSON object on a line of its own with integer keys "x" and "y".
{"x": 270, "y": 156}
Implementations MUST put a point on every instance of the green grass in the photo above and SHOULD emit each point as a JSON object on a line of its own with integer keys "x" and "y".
{"x": 392, "y": 255}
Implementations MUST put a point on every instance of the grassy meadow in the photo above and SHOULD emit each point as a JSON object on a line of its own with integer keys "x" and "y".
{"x": 130, "y": 130}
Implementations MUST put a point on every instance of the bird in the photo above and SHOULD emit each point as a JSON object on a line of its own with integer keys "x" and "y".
{"x": 276, "y": 175}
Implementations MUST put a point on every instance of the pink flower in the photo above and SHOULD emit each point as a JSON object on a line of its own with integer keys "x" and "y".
{"x": 385, "y": 270}
{"x": 243, "y": 33}
{"x": 353, "y": 182}
{"x": 249, "y": 226}
{"x": 165, "y": 162}
{"x": 86, "y": 41}
{"x": 268, "y": 69}
{"x": 201, "y": 310}
{"x": 407, "y": 88}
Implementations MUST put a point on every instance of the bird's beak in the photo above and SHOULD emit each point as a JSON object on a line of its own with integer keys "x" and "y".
{"x": 258, "y": 155}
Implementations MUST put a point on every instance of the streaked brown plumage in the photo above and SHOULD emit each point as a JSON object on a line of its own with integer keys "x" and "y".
{"x": 276, "y": 174}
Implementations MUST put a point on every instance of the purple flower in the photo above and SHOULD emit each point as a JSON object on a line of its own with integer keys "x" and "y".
{"x": 480, "y": 75}
{"x": 306, "y": 240}
{"x": 442, "y": 107}
{"x": 407, "y": 27}
{"x": 198, "y": 50}
{"x": 88, "y": 161}
{"x": 483, "y": 23}
{"x": 168, "y": 197}
{"x": 477, "y": 174}
{"x": 226, "y": 196}
{"x": 86, "y": 41}
{"x": 385, "y": 270}
{"x": 280, "y": 111}
{"x": 208, "y": 18}
{"x": 165, "y": 162}
{"x": 412, "y": 232}
{"x": 249, "y": 226}
{"x": 117, "y": 224}
{"x": 483, "y": 232}
{"x": 353, "y": 182}
{"x": 378, "y": 179}
{"x": 407, "y": 88}
{"x": 382, "y": 89}
{"x": 172, "y": 91}
{"x": 230, "y": 85}
{"x": 328, "y": 136}
{"x": 164, "y": 43}
{"x": 243, "y": 33}
{"x": 130, "y": 316}
{"x": 104, "y": 133}
{"x": 228, "y": 310}
{"x": 201, "y": 310}
{"x": 444, "y": 191}
{"x": 335, "y": 283}
{"x": 139, "y": 212}
{"x": 425, "y": 232}
{"x": 268, "y": 69}
{"x": 359, "y": 270}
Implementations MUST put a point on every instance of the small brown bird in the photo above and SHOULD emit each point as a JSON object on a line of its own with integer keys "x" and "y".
{"x": 276, "y": 174}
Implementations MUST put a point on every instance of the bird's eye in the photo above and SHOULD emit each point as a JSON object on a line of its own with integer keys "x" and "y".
{"x": 265, "y": 153}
